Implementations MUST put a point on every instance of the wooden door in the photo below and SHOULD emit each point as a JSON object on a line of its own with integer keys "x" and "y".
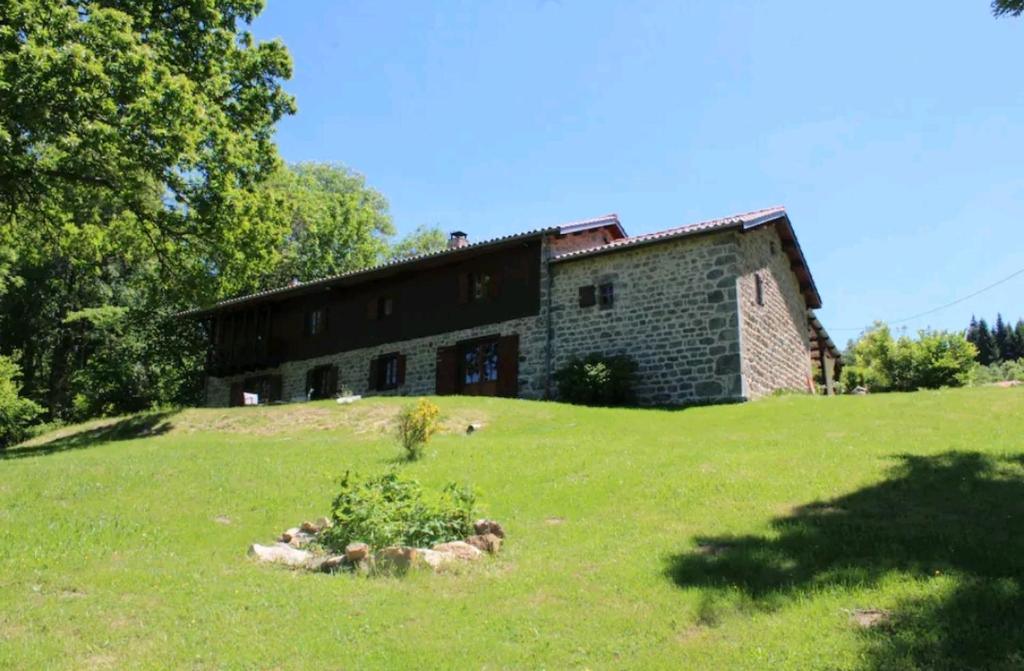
{"x": 478, "y": 367}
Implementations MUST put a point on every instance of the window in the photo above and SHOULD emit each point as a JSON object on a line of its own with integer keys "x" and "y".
{"x": 588, "y": 296}
{"x": 316, "y": 322}
{"x": 481, "y": 286}
{"x": 606, "y": 293}
{"x": 476, "y": 287}
{"x": 380, "y": 308}
{"x": 387, "y": 371}
{"x": 265, "y": 388}
{"x": 321, "y": 382}
{"x": 758, "y": 289}
{"x": 479, "y": 367}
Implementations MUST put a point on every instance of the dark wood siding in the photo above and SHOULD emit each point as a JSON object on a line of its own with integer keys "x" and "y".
{"x": 425, "y": 302}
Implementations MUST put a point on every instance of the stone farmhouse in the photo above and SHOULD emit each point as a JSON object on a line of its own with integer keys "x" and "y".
{"x": 711, "y": 312}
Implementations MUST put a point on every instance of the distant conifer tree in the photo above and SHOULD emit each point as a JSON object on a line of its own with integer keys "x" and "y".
{"x": 988, "y": 350}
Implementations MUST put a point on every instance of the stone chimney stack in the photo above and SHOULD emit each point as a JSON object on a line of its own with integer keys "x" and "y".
{"x": 457, "y": 240}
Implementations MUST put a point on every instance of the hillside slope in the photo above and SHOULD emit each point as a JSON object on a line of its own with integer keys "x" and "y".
{"x": 744, "y": 537}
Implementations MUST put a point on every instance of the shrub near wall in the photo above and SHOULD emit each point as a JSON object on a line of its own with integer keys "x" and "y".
{"x": 597, "y": 380}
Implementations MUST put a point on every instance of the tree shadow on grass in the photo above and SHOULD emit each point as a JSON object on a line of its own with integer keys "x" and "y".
{"x": 958, "y": 515}
{"x": 128, "y": 428}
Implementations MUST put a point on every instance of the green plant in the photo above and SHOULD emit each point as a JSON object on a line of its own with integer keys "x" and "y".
{"x": 934, "y": 359}
{"x": 416, "y": 424}
{"x": 391, "y": 510}
{"x": 16, "y": 412}
{"x": 597, "y": 380}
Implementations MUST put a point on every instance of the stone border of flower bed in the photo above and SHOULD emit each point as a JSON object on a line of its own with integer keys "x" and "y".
{"x": 297, "y": 548}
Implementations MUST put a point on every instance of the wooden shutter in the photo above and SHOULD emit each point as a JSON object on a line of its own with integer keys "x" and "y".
{"x": 274, "y": 388}
{"x": 464, "y": 282}
{"x": 235, "y": 397}
{"x": 508, "y": 366}
{"x": 371, "y": 309}
{"x": 372, "y": 385}
{"x": 587, "y": 296}
{"x": 447, "y": 370}
{"x": 332, "y": 381}
{"x": 400, "y": 372}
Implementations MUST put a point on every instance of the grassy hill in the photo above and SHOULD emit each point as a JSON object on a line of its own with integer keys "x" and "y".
{"x": 740, "y": 537}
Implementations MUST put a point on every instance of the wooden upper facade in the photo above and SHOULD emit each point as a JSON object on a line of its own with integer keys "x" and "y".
{"x": 460, "y": 288}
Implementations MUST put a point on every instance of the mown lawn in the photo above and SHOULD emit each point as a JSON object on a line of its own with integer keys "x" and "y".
{"x": 734, "y": 537}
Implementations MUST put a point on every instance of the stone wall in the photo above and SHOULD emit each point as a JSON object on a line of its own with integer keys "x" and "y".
{"x": 674, "y": 312}
{"x": 420, "y": 365}
{"x": 776, "y": 344}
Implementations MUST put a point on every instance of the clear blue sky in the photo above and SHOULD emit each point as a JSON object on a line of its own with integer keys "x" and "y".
{"x": 892, "y": 131}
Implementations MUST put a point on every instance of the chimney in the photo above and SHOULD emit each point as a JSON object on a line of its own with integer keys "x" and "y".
{"x": 457, "y": 240}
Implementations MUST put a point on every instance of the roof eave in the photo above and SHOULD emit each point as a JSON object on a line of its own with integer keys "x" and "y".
{"x": 383, "y": 269}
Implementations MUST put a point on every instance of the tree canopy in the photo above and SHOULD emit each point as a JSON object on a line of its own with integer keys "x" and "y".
{"x": 1008, "y": 7}
{"x": 148, "y": 117}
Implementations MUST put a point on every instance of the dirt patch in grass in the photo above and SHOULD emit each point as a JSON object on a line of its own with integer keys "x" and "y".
{"x": 868, "y": 618}
{"x": 359, "y": 418}
{"x": 692, "y": 634}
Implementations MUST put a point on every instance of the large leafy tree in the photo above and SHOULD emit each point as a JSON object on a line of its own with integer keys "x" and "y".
{"x": 160, "y": 111}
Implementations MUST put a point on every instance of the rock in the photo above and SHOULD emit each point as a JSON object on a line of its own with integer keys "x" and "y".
{"x": 484, "y": 527}
{"x": 324, "y": 523}
{"x": 334, "y": 563}
{"x": 289, "y": 534}
{"x": 356, "y": 552}
{"x": 301, "y": 539}
{"x": 309, "y": 528}
{"x": 280, "y": 553}
{"x": 487, "y": 542}
{"x": 459, "y": 549}
{"x": 395, "y": 559}
{"x": 434, "y": 559}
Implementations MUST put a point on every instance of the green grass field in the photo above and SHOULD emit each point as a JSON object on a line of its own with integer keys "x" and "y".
{"x": 733, "y": 537}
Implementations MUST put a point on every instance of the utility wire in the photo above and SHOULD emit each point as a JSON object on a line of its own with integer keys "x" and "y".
{"x": 943, "y": 307}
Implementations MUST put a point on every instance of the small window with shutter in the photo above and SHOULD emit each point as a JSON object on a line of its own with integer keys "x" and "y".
{"x": 588, "y": 296}
{"x": 387, "y": 372}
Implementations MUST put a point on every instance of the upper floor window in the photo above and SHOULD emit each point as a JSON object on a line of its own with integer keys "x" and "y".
{"x": 477, "y": 286}
{"x": 380, "y": 308}
{"x": 316, "y": 322}
{"x": 758, "y": 289}
{"x": 606, "y": 295}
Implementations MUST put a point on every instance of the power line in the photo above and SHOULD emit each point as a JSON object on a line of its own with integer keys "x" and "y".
{"x": 947, "y": 305}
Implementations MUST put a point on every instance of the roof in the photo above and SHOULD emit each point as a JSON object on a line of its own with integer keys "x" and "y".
{"x": 408, "y": 263}
{"x": 741, "y": 222}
